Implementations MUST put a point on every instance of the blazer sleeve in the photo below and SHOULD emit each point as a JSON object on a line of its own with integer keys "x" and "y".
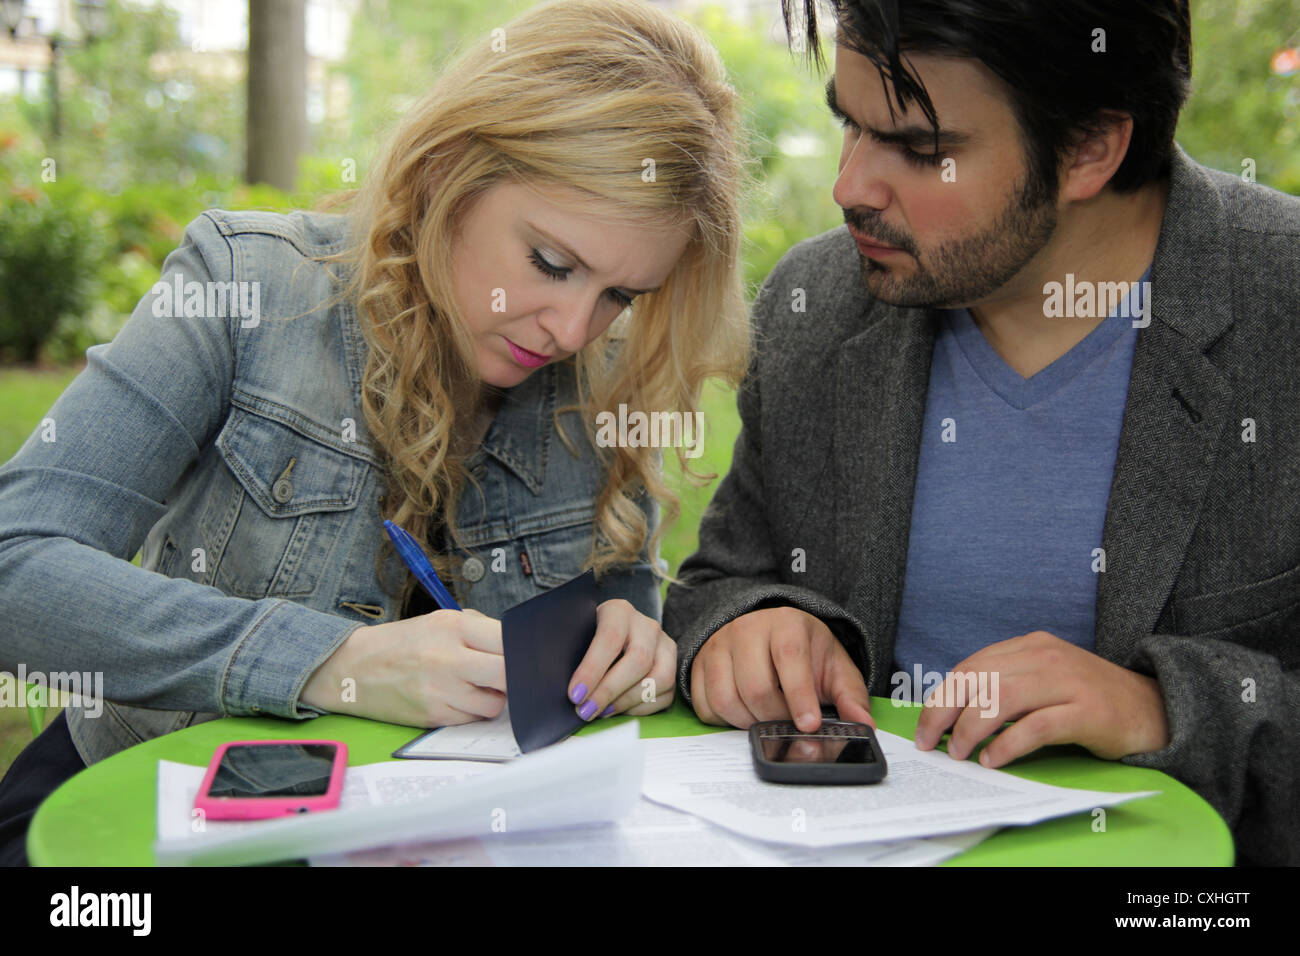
{"x": 737, "y": 568}
{"x": 1233, "y": 715}
{"x": 80, "y": 496}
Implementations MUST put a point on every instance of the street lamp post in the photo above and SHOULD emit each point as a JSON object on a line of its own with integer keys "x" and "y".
{"x": 92, "y": 18}
{"x": 11, "y": 13}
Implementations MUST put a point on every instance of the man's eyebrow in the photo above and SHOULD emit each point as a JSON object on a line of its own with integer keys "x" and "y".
{"x": 919, "y": 135}
{"x": 831, "y": 103}
{"x": 577, "y": 258}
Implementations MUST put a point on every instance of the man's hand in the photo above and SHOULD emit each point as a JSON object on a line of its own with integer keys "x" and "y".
{"x": 1056, "y": 693}
{"x": 776, "y": 664}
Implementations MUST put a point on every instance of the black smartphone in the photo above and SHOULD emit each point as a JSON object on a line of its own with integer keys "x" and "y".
{"x": 839, "y": 751}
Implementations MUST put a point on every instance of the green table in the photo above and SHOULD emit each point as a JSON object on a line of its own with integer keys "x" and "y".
{"x": 105, "y": 815}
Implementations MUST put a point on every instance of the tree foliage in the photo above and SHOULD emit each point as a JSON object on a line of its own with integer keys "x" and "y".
{"x": 152, "y": 135}
{"x": 1238, "y": 109}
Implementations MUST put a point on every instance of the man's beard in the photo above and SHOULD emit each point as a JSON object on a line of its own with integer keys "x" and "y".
{"x": 963, "y": 270}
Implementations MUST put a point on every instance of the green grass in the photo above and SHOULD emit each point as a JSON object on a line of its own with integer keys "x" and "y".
{"x": 27, "y": 395}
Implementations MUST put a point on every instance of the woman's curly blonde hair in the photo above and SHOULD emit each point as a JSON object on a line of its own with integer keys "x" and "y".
{"x": 578, "y": 94}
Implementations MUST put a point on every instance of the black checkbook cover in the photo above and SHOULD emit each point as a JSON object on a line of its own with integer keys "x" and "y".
{"x": 544, "y": 640}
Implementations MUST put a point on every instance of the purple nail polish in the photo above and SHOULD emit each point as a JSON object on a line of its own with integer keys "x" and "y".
{"x": 578, "y": 693}
{"x": 588, "y": 710}
{"x": 607, "y": 711}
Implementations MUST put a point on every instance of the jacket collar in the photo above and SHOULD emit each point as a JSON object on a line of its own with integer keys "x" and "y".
{"x": 1178, "y": 406}
{"x": 881, "y": 380}
{"x": 520, "y": 435}
{"x": 1191, "y": 274}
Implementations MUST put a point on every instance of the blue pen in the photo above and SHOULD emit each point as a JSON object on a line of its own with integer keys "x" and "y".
{"x": 420, "y": 566}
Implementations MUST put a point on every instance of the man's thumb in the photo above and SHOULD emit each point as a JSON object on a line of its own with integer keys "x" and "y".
{"x": 850, "y": 693}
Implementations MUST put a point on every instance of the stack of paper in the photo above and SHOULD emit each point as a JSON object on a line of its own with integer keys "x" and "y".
{"x": 926, "y": 793}
{"x": 652, "y": 835}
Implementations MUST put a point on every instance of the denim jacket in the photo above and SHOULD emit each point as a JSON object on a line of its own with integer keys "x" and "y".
{"x": 230, "y": 449}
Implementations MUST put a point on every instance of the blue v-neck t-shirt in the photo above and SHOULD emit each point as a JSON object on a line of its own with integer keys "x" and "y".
{"x": 1012, "y": 485}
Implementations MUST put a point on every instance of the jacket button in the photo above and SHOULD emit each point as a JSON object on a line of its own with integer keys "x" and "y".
{"x": 473, "y": 569}
{"x": 282, "y": 490}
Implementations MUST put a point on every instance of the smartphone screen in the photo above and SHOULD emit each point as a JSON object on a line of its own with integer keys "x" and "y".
{"x": 274, "y": 770}
{"x": 801, "y": 748}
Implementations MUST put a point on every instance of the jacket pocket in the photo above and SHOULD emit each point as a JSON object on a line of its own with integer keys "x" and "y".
{"x": 560, "y": 553}
{"x": 1220, "y": 610}
{"x": 290, "y": 507}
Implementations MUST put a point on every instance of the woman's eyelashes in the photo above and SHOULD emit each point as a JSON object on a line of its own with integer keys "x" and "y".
{"x": 547, "y": 268}
{"x": 559, "y": 273}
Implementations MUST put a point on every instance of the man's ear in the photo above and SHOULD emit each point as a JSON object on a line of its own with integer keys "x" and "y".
{"x": 1093, "y": 159}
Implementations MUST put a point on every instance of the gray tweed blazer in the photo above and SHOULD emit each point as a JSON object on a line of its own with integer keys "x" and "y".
{"x": 1202, "y": 532}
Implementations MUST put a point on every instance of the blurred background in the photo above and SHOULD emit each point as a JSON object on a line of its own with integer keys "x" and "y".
{"x": 121, "y": 120}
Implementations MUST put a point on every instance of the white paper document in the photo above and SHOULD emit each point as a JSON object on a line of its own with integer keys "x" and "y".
{"x": 652, "y": 835}
{"x": 580, "y": 781}
{"x": 926, "y": 793}
{"x": 492, "y": 740}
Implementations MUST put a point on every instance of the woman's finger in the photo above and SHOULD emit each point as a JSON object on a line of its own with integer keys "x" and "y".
{"x": 664, "y": 681}
{"x": 626, "y": 673}
{"x": 614, "y": 621}
{"x": 653, "y": 693}
{"x": 482, "y": 669}
{"x": 478, "y": 702}
{"x": 480, "y": 632}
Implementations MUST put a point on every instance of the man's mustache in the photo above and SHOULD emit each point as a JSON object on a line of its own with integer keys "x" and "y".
{"x": 874, "y": 228}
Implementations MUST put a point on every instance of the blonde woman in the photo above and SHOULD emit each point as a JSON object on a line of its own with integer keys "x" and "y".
{"x": 552, "y": 231}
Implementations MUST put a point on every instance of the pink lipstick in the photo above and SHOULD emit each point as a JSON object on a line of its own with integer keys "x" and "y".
{"x": 526, "y": 358}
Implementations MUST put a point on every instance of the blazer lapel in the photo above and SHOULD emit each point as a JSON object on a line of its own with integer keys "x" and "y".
{"x": 881, "y": 379}
{"x": 1178, "y": 406}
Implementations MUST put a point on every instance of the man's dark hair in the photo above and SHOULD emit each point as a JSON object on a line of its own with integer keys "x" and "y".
{"x": 1043, "y": 50}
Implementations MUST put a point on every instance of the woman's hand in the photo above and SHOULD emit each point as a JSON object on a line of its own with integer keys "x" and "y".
{"x": 630, "y": 667}
{"x": 427, "y": 671}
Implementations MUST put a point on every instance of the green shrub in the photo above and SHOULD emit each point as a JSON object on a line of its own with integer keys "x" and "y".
{"x": 49, "y": 262}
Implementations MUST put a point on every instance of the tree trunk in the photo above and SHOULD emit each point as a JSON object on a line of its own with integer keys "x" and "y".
{"x": 277, "y": 90}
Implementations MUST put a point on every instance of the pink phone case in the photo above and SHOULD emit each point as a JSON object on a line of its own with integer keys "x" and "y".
{"x": 259, "y": 808}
